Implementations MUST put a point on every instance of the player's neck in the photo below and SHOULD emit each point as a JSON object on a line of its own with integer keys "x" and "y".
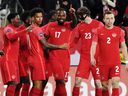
{"x": 88, "y": 20}
{"x": 109, "y": 27}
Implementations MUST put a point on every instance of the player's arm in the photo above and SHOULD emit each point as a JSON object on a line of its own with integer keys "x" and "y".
{"x": 52, "y": 46}
{"x": 125, "y": 53}
{"x": 11, "y": 35}
{"x": 92, "y": 53}
{"x": 124, "y": 48}
{"x": 93, "y": 48}
{"x": 73, "y": 17}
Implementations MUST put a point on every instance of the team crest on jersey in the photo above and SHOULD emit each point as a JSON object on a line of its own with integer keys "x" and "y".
{"x": 114, "y": 34}
{"x": 9, "y": 30}
{"x": 41, "y": 34}
{"x": 63, "y": 29}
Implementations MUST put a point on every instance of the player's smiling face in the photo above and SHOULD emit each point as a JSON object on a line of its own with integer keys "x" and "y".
{"x": 61, "y": 17}
{"x": 38, "y": 18}
{"x": 109, "y": 20}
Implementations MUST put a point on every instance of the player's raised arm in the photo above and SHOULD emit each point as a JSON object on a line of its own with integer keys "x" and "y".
{"x": 73, "y": 16}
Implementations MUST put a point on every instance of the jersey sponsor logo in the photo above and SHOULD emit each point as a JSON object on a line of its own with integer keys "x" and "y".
{"x": 94, "y": 30}
{"x": 82, "y": 30}
{"x": 52, "y": 28}
{"x": 102, "y": 34}
{"x": 63, "y": 29}
{"x": 114, "y": 34}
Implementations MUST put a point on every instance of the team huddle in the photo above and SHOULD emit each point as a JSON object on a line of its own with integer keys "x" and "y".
{"x": 44, "y": 51}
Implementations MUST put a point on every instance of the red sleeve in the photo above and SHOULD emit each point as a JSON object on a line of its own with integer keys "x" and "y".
{"x": 47, "y": 32}
{"x": 39, "y": 33}
{"x": 43, "y": 28}
{"x": 100, "y": 25}
{"x": 75, "y": 37}
{"x": 122, "y": 34}
{"x": 1, "y": 39}
{"x": 12, "y": 34}
{"x": 76, "y": 32}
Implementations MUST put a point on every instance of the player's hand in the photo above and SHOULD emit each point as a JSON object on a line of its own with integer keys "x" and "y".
{"x": 126, "y": 67}
{"x": 72, "y": 10}
{"x": 29, "y": 28}
{"x": 1, "y": 53}
{"x": 93, "y": 61}
{"x": 64, "y": 46}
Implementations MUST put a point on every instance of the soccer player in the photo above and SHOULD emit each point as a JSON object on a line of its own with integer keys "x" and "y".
{"x": 84, "y": 31}
{"x": 36, "y": 58}
{"x": 109, "y": 38}
{"x": 23, "y": 55}
{"x": 59, "y": 32}
{"x": 9, "y": 64}
{"x": 1, "y": 42}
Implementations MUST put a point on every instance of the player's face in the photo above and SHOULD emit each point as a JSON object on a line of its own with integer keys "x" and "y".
{"x": 109, "y": 20}
{"x": 16, "y": 21}
{"x": 28, "y": 21}
{"x": 61, "y": 17}
{"x": 38, "y": 18}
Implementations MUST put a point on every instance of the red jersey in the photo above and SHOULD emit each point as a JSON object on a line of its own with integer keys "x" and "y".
{"x": 24, "y": 39}
{"x": 36, "y": 35}
{"x": 85, "y": 32}
{"x": 58, "y": 34}
{"x": 10, "y": 68}
{"x": 109, "y": 41}
{"x": 1, "y": 39}
{"x": 36, "y": 57}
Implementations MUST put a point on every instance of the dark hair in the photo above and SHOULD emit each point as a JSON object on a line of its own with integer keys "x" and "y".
{"x": 51, "y": 13}
{"x": 60, "y": 9}
{"x": 25, "y": 16}
{"x": 11, "y": 16}
{"x": 108, "y": 12}
{"x": 83, "y": 10}
{"x": 36, "y": 10}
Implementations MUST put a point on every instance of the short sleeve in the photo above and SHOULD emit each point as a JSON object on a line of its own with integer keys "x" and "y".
{"x": 47, "y": 28}
{"x": 8, "y": 30}
{"x": 100, "y": 25}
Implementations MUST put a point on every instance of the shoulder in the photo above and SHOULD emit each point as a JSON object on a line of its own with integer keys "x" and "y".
{"x": 8, "y": 29}
{"x": 118, "y": 29}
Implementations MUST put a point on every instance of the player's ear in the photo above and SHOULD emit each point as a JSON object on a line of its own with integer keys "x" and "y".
{"x": 32, "y": 19}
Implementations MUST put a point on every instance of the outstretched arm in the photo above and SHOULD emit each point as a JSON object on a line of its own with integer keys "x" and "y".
{"x": 52, "y": 46}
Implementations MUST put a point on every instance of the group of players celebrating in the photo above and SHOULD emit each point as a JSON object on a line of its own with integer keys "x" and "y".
{"x": 45, "y": 51}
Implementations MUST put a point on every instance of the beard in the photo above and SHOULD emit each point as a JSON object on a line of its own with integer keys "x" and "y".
{"x": 61, "y": 22}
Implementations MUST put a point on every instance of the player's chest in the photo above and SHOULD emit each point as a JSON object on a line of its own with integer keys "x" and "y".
{"x": 109, "y": 37}
{"x": 86, "y": 32}
{"x": 60, "y": 32}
